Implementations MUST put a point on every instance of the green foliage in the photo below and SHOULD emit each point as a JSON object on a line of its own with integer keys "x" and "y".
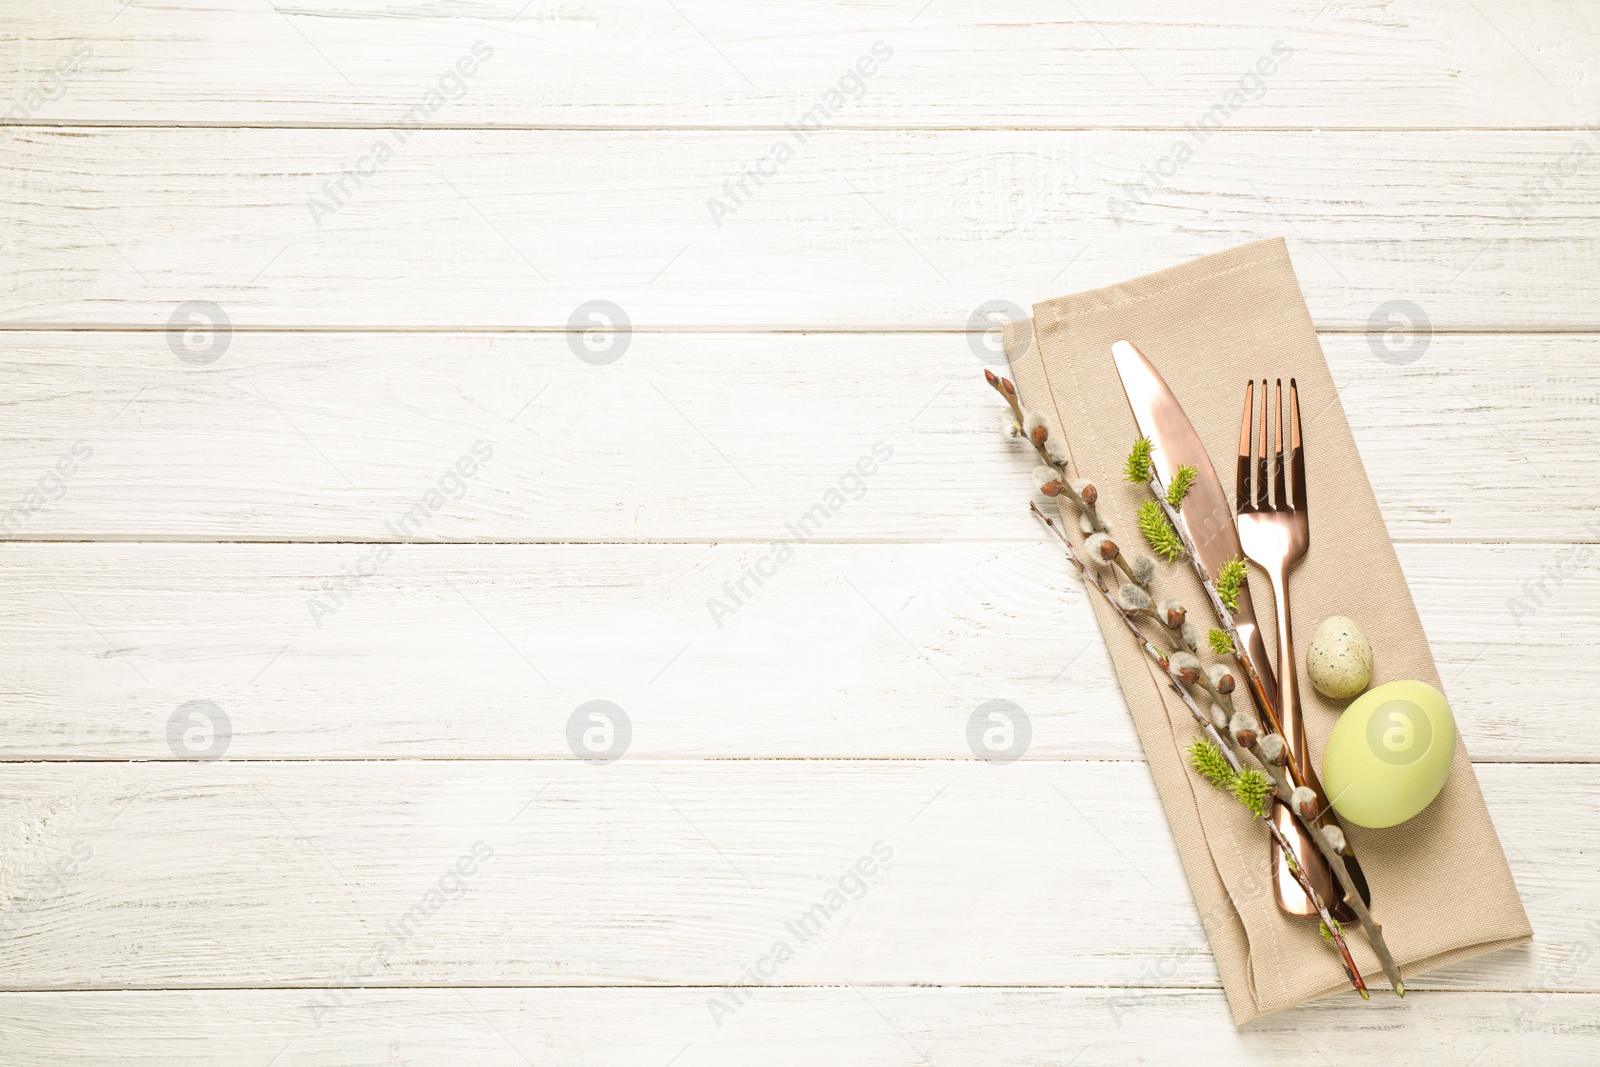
{"x": 1158, "y": 532}
{"x": 1213, "y": 766}
{"x": 1181, "y": 483}
{"x": 1139, "y": 467}
{"x": 1252, "y": 789}
{"x": 1229, "y": 581}
{"x": 1249, "y": 787}
{"x": 1221, "y": 643}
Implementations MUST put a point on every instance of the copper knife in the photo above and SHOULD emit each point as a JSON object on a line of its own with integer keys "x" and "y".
{"x": 1209, "y": 522}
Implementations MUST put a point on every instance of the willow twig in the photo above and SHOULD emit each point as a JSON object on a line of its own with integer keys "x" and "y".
{"x": 1037, "y": 435}
{"x": 1281, "y": 778}
{"x": 1217, "y": 737}
{"x": 1258, "y": 687}
{"x": 1374, "y": 931}
{"x": 1037, "y": 439}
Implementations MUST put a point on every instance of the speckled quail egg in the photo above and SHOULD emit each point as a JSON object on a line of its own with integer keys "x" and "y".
{"x": 1339, "y": 659}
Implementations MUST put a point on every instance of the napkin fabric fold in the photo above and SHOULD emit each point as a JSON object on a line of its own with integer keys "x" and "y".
{"x": 1440, "y": 883}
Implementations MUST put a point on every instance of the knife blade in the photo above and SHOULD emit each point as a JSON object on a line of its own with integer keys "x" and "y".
{"x": 1205, "y": 510}
{"x": 1209, "y": 521}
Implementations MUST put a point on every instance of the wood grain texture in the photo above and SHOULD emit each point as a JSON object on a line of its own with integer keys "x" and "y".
{"x": 881, "y": 1027}
{"x": 883, "y": 651}
{"x": 955, "y": 62}
{"x": 860, "y": 230}
{"x": 703, "y": 437}
{"x": 673, "y": 873}
{"x": 381, "y": 316}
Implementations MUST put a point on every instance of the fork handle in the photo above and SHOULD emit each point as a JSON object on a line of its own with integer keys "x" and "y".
{"x": 1290, "y": 721}
{"x": 1291, "y": 898}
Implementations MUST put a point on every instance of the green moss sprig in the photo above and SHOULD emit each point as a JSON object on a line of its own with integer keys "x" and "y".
{"x": 1252, "y": 789}
{"x": 1139, "y": 467}
{"x": 1158, "y": 532}
{"x": 1182, "y": 482}
{"x": 1221, "y": 642}
{"x": 1249, "y": 786}
{"x": 1229, "y": 581}
{"x": 1213, "y": 766}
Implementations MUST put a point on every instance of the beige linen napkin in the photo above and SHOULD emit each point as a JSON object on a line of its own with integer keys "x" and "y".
{"x": 1440, "y": 883}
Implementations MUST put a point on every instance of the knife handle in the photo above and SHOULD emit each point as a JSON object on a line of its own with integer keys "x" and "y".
{"x": 1258, "y": 671}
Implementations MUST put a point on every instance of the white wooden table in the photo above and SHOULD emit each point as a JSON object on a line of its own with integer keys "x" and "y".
{"x": 283, "y": 285}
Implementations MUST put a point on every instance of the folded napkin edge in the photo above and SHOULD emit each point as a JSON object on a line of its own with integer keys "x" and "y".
{"x": 1162, "y": 282}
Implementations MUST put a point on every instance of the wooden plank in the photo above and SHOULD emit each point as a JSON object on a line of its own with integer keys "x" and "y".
{"x": 291, "y": 436}
{"x": 955, "y": 62}
{"x": 662, "y": 872}
{"x": 456, "y": 651}
{"x": 653, "y": 869}
{"x": 882, "y": 1027}
{"x": 895, "y": 230}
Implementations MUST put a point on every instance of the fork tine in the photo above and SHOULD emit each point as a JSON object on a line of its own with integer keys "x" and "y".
{"x": 1297, "y": 452}
{"x": 1241, "y": 482}
{"x": 1279, "y": 491}
{"x": 1262, "y": 488}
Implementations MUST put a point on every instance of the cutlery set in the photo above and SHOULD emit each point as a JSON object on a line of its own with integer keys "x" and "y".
{"x": 1368, "y": 761}
{"x": 1270, "y": 526}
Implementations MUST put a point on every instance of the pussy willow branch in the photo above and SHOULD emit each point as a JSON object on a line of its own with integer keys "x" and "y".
{"x": 1008, "y": 392}
{"x": 1336, "y": 862}
{"x": 1258, "y": 688}
{"x": 1335, "y": 859}
{"x": 1283, "y": 780}
{"x": 1224, "y": 744}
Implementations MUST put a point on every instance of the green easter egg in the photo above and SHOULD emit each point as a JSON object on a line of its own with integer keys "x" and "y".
{"x": 1389, "y": 754}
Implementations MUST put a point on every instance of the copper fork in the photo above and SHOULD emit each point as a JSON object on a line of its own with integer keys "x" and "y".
{"x": 1275, "y": 531}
